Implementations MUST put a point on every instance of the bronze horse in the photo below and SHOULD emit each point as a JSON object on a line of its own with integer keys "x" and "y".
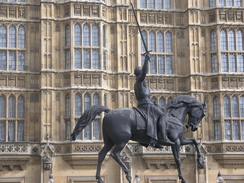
{"x": 120, "y": 126}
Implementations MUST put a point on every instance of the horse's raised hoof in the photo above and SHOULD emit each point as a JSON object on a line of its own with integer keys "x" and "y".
{"x": 128, "y": 177}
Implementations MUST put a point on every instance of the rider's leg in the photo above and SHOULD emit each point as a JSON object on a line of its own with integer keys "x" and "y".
{"x": 162, "y": 132}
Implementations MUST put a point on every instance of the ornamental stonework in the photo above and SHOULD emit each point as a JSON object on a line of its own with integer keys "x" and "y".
{"x": 3, "y": 11}
{"x": 77, "y": 10}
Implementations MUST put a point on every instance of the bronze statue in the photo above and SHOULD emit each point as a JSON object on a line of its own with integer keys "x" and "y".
{"x": 121, "y": 125}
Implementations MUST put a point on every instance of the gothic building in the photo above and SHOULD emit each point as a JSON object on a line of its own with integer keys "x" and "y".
{"x": 58, "y": 57}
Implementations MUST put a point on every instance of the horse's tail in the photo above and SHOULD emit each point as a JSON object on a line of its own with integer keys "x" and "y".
{"x": 87, "y": 117}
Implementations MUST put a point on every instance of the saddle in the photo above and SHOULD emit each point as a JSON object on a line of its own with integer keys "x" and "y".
{"x": 141, "y": 118}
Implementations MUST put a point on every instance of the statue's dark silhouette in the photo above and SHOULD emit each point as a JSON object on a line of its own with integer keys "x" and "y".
{"x": 121, "y": 125}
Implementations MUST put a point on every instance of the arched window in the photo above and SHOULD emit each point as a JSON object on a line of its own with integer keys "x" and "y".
{"x": 170, "y": 100}
{"x": 223, "y": 40}
{"x": 169, "y": 69}
{"x": 231, "y": 40}
{"x": 77, "y": 35}
{"x": 86, "y": 35}
{"x": 12, "y": 60}
{"x": 239, "y": 40}
{"x": 167, "y": 4}
{"x": 95, "y": 36}
{"x": 168, "y": 44}
{"x": 78, "y": 60}
{"x": 159, "y": 4}
{"x": 242, "y": 106}
{"x": 234, "y": 109}
{"x": 224, "y": 62}
{"x": 67, "y": 105}
{"x": 161, "y": 65}
{"x": 151, "y": 4}
{"x": 11, "y": 106}
{"x": 144, "y": 35}
{"x": 21, "y": 107}
{"x": 226, "y": 107}
{"x": 160, "y": 42}
{"x": 213, "y": 41}
{"x": 232, "y": 63}
{"x": 152, "y": 42}
{"x": 162, "y": 102}
{"x": 87, "y": 101}
{"x": 214, "y": 63}
{"x": 67, "y": 35}
{"x": 12, "y": 37}
{"x": 2, "y": 107}
{"x": 3, "y": 36}
{"x": 216, "y": 107}
{"x": 153, "y": 64}
{"x": 95, "y": 59}
{"x": 78, "y": 105}
{"x": 211, "y": 3}
{"x": 21, "y": 37}
{"x": 87, "y": 59}
{"x": 96, "y": 99}
{"x": 240, "y": 63}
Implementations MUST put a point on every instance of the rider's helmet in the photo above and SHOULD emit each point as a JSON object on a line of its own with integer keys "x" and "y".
{"x": 137, "y": 71}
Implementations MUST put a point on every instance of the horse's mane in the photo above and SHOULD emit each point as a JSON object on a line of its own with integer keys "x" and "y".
{"x": 181, "y": 100}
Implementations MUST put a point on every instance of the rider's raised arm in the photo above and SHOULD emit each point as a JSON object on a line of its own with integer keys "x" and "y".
{"x": 144, "y": 70}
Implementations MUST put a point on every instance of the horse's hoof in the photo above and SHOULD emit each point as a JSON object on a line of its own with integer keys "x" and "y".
{"x": 128, "y": 177}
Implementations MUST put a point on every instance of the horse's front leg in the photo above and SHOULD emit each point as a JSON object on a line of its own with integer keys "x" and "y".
{"x": 200, "y": 159}
{"x": 176, "y": 153}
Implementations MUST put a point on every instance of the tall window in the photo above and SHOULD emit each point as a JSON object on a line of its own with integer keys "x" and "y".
{"x": 223, "y": 39}
{"x": 12, "y": 114}
{"x": 161, "y": 56}
{"x": 12, "y": 48}
{"x": 211, "y": 3}
{"x": 155, "y": 4}
{"x": 213, "y": 41}
{"x": 226, "y": 106}
{"x": 214, "y": 63}
{"x": 77, "y": 35}
{"x": 216, "y": 107}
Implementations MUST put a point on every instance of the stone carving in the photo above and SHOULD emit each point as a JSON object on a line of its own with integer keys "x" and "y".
{"x": 222, "y": 15}
{"x": 12, "y": 12}
{"x": 77, "y": 10}
{"x": 21, "y": 12}
{"x": 3, "y": 11}
{"x": 95, "y": 11}
{"x": 86, "y": 10}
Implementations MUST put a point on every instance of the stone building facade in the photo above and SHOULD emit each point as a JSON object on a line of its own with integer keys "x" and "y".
{"x": 58, "y": 57}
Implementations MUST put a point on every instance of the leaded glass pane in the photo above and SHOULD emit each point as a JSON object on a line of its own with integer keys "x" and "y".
{"x": 2, "y": 107}
{"x": 214, "y": 63}
{"x": 239, "y": 42}
{"x": 150, "y": 3}
{"x": 77, "y": 35}
{"x": 231, "y": 40}
{"x": 3, "y": 60}
{"x": 95, "y": 36}
{"x": 87, "y": 132}
{"x": 20, "y": 132}
{"x": 242, "y": 129}
{"x": 21, "y": 107}
{"x": 229, "y": 2}
{"x": 234, "y": 107}
{"x": 143, "y": 4}
{"x": 87, "y": 101}
{"x": 168, "y": 43}
{"x": 226, "y": 106}
{"x": 216, "y": 107}
{"x": 217, "y": 130}
{"x": 67, "y": 129}
{"x": 223, "y": 40}
{"x": 167, "y": 4}
{"x": 21, "y": 37}
{"x": 67, "y": 59}
{"x": 227, "y": 130}
{"x": 105, "y": 100}
{"x": 161, "y": 65}
{"x": 87, "y": 59}
{"x": 96, "y": 130}
{"x": 12, "y": 37}
{"x": 169, "y": 69}
{"x": 152, "y": 42}
{"x": 153, "y": 65}
{"x": 236, "y": 130}
{"x": 78, "y": 60}
{"x": 3, "y": 36}
{"x": 221, "y": 2}
{"x": 160, "y": 42}
{"x": 104, "y": 60}
{"x": 11, "y": 131}
{"x": 240, "y": 63}
{"x": 95, "y": 59}
{"x": 238, "y": 3}
{"x": 21, "y": 61}
{"x": 159, "y": 4}
{"x": 144, "y": 35}
{"x": 67, "y": 35}
{"x": 211, "y": 3}
{"x": 86, "y": 35}
{"x": 224, "y": 63}
{"x": 96, "y": 99}
{"x": 79, "y": 136}
{"x": 232, "y": 63}
{"x": 11, "y": 107}
{"x": 162, "y": 102}
{"x": 242, "y": 106}
{"x": 12, "y": 60}
{"x": 78, "y": 109}
{"x": 2, "y": 131}
{"x": 213, "y": 41}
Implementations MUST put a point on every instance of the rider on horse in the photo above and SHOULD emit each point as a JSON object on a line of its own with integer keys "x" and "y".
{"x": 154, "y": 113}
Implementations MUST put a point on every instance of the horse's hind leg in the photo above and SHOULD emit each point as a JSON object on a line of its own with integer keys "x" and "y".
{"x": 101, "y": 156}
{"x": 116, "y": 155}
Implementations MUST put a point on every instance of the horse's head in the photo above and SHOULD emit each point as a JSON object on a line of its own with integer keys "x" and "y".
{"x": 196, "y": 113}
